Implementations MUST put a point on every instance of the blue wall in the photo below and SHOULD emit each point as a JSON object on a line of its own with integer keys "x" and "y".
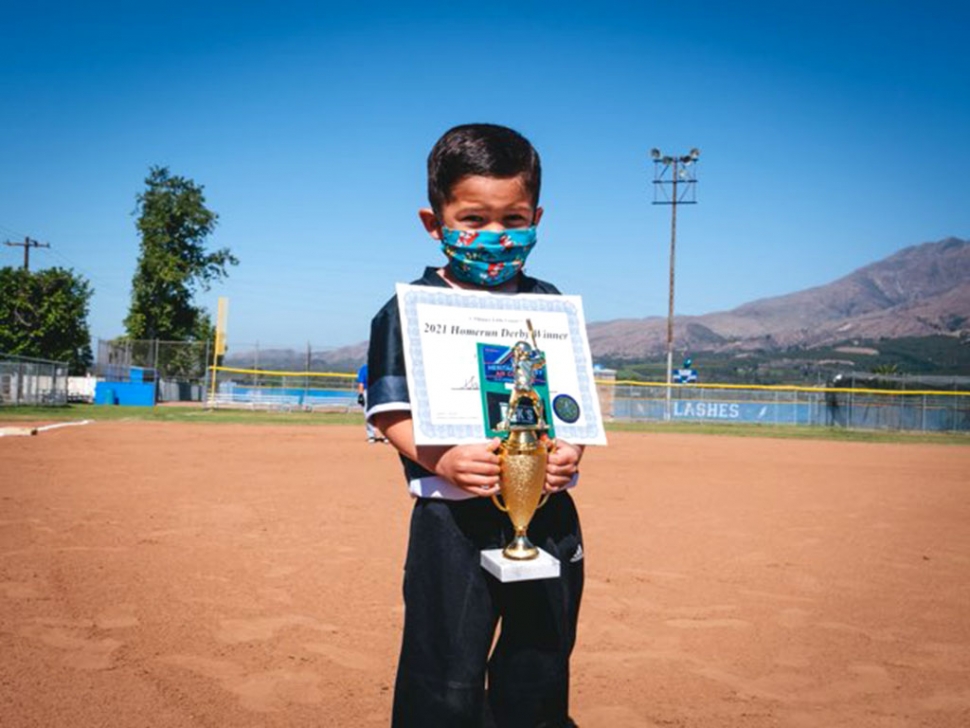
{"x": 129, "y": 394}
{"x": 839, "y": 409}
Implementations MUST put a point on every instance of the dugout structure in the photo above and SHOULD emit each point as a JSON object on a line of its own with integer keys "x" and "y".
{"x": 281, "y": 390}
{"x": 127, "y": 386}
{"x": 26, "y": 380}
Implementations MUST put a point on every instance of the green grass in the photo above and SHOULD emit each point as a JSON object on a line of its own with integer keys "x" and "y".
{"x": 12, "y": 415}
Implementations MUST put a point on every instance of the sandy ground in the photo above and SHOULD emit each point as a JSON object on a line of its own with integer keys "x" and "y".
{"x": 158, "y": 574}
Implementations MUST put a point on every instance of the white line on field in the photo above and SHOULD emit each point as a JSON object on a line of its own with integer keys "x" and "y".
{"x": 45, "y": 428}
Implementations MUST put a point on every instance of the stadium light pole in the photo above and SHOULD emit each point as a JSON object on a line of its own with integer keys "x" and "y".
{"x": 674, "y": 181}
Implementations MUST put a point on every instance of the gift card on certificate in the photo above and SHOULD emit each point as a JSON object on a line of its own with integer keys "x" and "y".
{"x": 454, "y": 344}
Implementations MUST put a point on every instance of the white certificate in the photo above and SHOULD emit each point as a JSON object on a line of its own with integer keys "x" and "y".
{"x": 442, "y": 329}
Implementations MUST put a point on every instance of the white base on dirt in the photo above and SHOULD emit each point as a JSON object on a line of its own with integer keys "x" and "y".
{"x": 544, "y": 566}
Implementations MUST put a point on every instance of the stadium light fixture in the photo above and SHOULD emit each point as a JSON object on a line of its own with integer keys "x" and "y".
{"x": 669, "y": 173}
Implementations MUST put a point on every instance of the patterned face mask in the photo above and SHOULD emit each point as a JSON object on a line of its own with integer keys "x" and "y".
{"x": 486, "y": 257}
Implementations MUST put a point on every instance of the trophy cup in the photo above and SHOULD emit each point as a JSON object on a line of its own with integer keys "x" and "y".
{"x": 523, "y": 455}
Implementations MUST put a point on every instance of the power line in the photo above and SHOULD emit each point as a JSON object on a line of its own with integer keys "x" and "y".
{"x": 11, "y": 231}
{"x": 27, "y": 245}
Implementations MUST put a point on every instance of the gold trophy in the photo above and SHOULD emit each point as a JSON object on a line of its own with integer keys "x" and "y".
{"x": 523, "y": 452}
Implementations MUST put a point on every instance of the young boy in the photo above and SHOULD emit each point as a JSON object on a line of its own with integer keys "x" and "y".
{"x": 483, "y": 186}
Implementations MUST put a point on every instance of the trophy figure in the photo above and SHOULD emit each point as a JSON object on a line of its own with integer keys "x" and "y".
{"x": 524, "y": 451}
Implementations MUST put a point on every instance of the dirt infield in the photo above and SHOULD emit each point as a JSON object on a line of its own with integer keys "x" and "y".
{"x": 167, "y": 575}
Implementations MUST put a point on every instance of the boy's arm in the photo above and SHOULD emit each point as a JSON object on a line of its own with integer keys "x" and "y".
{"x": 474, "y": 468}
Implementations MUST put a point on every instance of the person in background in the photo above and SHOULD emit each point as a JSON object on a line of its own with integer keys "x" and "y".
{"x": 372, "y": 433}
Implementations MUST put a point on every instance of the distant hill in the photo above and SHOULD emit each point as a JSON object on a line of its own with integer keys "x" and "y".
{"x": 922, "y": 290}
{"x": 342, "y": 359}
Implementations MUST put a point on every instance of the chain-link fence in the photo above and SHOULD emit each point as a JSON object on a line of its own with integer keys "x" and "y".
{"x": 264, "y": 389}
{"x": 306, "y": 358}
{"x": 871, "y": 409}
{"x": 180, "y": 366}
{"x": 177, "y": 360}
{"x": 25, "y": 380}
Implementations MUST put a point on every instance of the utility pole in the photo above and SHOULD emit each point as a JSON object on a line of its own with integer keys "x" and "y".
{"x": 27, "y": 245}
{"x": 669, "y": 172}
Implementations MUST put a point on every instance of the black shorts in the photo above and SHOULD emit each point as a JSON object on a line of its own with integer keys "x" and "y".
{"x": 452, "y": 609}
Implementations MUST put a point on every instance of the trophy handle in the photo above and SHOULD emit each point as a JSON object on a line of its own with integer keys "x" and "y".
{"x": 550, "y": 447}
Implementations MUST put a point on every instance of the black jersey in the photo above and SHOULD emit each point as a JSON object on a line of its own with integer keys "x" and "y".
{"x": 387, "y": 388}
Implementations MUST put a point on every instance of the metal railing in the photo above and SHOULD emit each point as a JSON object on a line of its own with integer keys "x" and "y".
{"x": 26, "y": 380}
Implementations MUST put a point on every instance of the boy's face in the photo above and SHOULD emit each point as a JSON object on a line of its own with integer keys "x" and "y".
{"x": 484, "y": 203}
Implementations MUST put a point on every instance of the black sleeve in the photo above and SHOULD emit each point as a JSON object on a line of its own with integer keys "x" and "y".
{"x": 387, "y": 384}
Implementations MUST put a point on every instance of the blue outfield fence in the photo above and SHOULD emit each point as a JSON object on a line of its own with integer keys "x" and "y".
{"x": 929, "y": 411}
{"x": 266, "y": 389}
{"x": 856, "y": 408}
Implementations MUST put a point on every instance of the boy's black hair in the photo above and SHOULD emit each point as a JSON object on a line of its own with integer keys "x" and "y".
{"x": 487, "y": 150}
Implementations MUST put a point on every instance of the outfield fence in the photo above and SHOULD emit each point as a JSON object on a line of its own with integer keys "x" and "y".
{"x": 855, "y": 408}
{"x": 869, "y": 409}
{"x": 231, "y": 387}
{"x": 25, "y": 380}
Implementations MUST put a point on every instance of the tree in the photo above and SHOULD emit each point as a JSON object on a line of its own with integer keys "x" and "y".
{"x": 890, "y": 369}
{"x": 173, "y": 222}
{"x": 44, "y": 314}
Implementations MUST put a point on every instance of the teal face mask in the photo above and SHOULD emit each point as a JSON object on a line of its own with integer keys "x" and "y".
{"x": 486, "y": 257}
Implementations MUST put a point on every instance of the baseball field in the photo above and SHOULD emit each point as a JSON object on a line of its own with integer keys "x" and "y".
{"x": 174, "y": 574}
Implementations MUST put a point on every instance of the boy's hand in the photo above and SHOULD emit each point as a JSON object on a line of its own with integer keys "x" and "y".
{"x": 474, "y": 468}
{"x": 562, "y": 465}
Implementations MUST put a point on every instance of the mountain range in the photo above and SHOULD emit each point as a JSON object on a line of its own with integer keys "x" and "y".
{"x": 922, "y": 290}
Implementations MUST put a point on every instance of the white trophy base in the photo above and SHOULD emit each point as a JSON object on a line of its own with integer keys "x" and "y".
{"x": 544, "y": 566}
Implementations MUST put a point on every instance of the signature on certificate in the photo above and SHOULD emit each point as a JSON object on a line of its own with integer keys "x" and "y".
{"x": 470, "y": 384}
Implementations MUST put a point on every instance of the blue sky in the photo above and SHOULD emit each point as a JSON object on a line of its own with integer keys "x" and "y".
{"x": 832, "y": 134}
